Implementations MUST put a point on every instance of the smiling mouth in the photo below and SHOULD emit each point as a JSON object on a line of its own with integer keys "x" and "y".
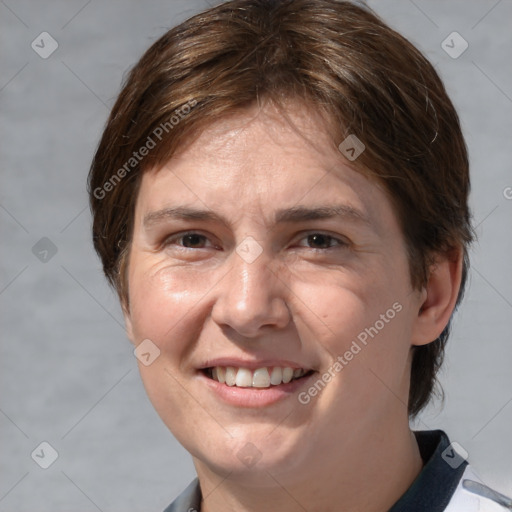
{"x": 266, "y": 377}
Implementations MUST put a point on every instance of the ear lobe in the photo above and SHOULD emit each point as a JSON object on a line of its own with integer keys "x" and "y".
{"x": 438, "y": 298}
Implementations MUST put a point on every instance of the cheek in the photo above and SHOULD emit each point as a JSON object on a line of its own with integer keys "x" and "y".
{"x": 163, "y": 304}
{"x": 164, "y": 307}
{"x": 345, "y": 304}
{"x": 365, "y": 321}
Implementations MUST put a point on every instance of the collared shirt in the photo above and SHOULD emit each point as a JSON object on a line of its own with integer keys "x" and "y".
{"x": 446, "y": 484}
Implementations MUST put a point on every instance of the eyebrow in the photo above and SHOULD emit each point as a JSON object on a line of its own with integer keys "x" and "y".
{"x": 294, "y": 214}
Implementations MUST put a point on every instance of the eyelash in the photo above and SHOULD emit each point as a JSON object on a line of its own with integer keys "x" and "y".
{"x": 180, "y": 236}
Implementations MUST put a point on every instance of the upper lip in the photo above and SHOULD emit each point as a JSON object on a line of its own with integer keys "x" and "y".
{"x": 252, "y": 364}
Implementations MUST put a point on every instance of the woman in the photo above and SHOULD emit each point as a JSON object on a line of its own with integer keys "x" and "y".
{"x": 280, "y": 200}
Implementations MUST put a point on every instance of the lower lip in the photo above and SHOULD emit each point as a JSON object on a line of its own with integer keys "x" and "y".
{"x": 254, "y": 397}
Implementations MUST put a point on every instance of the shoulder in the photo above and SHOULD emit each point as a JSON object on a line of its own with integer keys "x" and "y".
{"x": 472, "y": 495}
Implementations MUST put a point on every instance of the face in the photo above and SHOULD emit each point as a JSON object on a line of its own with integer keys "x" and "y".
{"x": 258, "y": 253}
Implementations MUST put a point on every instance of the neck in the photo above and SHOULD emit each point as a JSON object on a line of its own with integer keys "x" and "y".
{"x": 368, "y": 473}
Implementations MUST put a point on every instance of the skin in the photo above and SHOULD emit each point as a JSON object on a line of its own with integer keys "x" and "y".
{"x": 302, "y": 299}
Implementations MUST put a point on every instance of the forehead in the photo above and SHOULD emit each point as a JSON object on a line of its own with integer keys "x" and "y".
{"x": 260, "y": 161}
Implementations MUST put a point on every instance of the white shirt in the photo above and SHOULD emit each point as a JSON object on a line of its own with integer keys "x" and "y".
{"x": 467, "y": 497}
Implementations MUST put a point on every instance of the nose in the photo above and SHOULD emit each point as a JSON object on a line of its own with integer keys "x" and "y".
{"x": 250, "y": 297}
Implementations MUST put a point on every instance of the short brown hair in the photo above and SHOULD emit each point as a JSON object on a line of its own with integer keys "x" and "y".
{"x": 341, "y": 58}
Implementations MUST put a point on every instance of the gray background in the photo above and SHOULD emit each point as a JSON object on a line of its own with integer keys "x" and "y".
{"x": 68, "y": 375}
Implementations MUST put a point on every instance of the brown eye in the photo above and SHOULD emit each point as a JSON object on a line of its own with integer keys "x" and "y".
{"x": 319, "y": 241}
{"x": 187, "y": 241}
{"x": 193, "y": 240}
{"x": 323, "y": 241}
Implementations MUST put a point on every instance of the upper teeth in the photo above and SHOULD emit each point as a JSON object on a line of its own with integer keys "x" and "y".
{"x": 259, "y": 378}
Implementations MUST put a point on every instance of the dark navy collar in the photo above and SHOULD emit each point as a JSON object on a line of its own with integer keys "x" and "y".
{"x": 430, "y": 492}
{"x": 436, "y": 484}
{"x": 189, "y": 500}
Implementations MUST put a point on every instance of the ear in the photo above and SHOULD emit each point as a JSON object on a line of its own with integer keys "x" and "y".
{"x": 127, "y": 321}
{"x": 438, "y": 297}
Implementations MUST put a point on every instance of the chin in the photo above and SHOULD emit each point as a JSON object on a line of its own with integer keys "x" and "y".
{"x": 253, "y": 463}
